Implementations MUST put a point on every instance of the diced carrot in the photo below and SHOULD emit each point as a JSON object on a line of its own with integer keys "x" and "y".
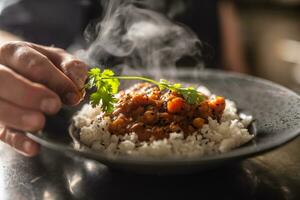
{"x": 217, "y": 106}
{"x": 176, "y": 105}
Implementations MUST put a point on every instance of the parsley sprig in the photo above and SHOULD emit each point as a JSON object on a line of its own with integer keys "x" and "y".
{"x": 106, "y": 85}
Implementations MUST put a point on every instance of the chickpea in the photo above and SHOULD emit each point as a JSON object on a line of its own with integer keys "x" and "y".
{"x": 159, "y": 133}
{"x": 175, "y": 127}
{"x": 119, "y": 122}
{"x": 204, "y": 109}
{"x": 198, "y": 122}
{"x": 165, "y": 117}
{"x": 117, "y": 126}
{"x": 140, "y": 100}
{"x": 117, "y": 111}
{"x": 137, "y": 128}
{"x": 150, "y": 117}
{"x": 144, "y": 135}
{"x": 137, "y": 112}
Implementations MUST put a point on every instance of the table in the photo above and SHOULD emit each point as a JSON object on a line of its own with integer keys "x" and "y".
{"x": 274, "y": 175}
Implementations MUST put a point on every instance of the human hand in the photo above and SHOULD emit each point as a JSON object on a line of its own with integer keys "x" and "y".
{"x": 35, "y": 81}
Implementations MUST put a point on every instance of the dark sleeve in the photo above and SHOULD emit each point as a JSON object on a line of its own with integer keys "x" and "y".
{"x": 54, "y": 22}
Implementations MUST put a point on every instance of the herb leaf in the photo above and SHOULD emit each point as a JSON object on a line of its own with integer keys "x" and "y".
{"x": 191, "y": 95}
{"x": 107, "y": 85}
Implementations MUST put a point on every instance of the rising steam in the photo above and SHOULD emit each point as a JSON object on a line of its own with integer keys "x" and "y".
{"x": 132, "y": 35}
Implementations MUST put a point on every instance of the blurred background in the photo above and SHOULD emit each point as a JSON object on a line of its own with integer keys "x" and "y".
{"x": 259, "y": 37}
{"x": 270, "y": 32}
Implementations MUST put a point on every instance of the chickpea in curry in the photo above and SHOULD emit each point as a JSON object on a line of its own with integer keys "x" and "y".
{"x": 152, "y": 113}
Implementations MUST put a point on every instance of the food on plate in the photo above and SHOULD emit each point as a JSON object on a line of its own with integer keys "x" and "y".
{"x": 158, "y": 119}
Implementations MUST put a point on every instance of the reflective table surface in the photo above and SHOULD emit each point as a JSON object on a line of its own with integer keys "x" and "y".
{"x": 274, "y": 175}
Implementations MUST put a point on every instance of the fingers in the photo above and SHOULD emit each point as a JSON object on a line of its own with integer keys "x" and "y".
{"x": 19, "y": 142}
{"x": 19, "y": 118}
{"x": 34, "y": 80}
{"x": 24, "y": 93}
{"x": 38, "y": 68}
{"x": 75, "y": 69}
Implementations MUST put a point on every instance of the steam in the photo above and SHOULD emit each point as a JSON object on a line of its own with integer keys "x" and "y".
{"x": 130, "y": 36}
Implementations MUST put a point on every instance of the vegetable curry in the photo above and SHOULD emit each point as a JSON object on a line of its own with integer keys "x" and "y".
{"x": 154, "y": 113}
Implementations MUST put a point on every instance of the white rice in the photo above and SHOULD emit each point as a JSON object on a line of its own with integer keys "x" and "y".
{"x": 213, "y": 138}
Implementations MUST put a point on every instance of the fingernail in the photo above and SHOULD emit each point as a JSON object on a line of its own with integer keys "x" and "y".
{"x": 27, "y": 147}
{"x": 1, "y": 129}
{"x": 32, "y": 122}
{"x": 72, "y": 98}
{"x": 50, "y": 105}
{"x": 2, "y": 132}
{"x": 79, "y": 76}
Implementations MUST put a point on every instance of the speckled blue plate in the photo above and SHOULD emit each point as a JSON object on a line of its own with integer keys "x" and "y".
{"x": 276, "y": 111}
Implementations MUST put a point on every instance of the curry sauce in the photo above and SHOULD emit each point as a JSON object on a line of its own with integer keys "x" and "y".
{"x": 152, "y": 113}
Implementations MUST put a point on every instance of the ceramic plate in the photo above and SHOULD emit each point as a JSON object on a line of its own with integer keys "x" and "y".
{"x": 275, "y": 109}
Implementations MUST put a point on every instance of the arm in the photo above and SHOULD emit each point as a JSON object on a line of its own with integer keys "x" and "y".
{"x": 6, "y": 37}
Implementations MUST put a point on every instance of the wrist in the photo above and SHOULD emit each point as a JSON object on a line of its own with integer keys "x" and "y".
{"x": 7, "y": 37}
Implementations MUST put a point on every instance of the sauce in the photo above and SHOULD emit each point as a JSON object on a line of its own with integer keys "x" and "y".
{"x": 150, "y": 112}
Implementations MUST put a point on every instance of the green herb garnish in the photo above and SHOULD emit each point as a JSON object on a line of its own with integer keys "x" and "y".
{"x": 107, "y": 85}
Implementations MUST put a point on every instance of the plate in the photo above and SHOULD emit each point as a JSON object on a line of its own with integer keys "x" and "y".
{"x": 275, "y": 109}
